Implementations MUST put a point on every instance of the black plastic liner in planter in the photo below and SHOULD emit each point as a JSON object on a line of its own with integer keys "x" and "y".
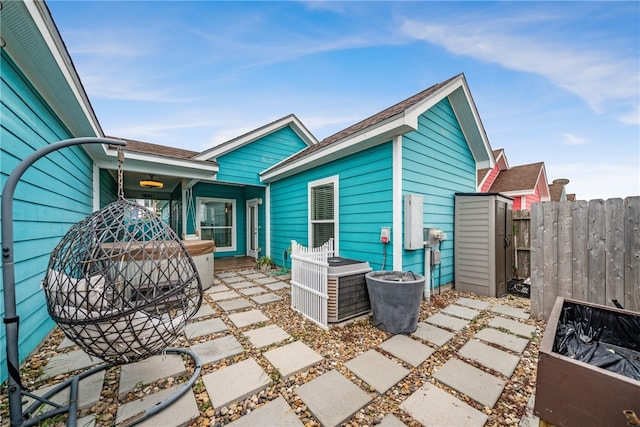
{"x": 602, "y": 338}
{"x": 395, "y": 298}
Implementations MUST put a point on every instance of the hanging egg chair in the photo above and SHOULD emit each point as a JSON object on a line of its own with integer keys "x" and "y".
{"x": 121, "y": 284}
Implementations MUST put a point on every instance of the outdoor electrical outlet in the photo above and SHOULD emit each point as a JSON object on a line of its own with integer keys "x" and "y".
{"x": 385, "y": 234}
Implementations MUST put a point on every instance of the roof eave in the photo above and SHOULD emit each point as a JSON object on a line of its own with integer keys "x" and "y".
{"x": 150, "y": 163}
{"x": 48, "y": 66}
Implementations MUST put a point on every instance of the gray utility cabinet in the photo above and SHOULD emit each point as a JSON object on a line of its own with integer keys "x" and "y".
{"x": 483, "y": 233}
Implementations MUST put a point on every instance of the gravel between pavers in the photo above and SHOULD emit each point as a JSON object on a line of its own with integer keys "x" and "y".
{"x": 337, "y": 345}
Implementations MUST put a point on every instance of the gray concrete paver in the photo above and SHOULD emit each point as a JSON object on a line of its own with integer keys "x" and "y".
{"x": 234, "y": 304}
{"x": 407, "y": 349}
{"x": 475, "y": 383}
{"x": 473, "y": 303}
{"x": 491, "y": 357}
{"x": 266, "y": 298}
{"x": 275, "y": 413}
{"x": 502, "y": 339}
{"x": 217, "y": 349}
{"x": 267, "y": 335}
{"x": 219, "y": 296}
{"x": 460, "y": 311}
{"x": 448, "y": 322}
{"x": 432, "y": 334}
{"x": 332, "y": 398}
{"x": 292, "y": 358}
{"x": 246, "y": 318}
{"x": 512, "y": 326}
{"x": 235, "y": 382}
{"x": 205, "y": 327}
{"x": 431, "y": 406}
{"x": 507, "y": 310}
{"x": 68, "y": 362}
{"x": 180, "y": 413}
{"x": 150, "y": 370}
{"x": 378, "y": 371}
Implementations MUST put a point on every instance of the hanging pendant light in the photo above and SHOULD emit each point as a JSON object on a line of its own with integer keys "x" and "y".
{"x": 151, "y": 183}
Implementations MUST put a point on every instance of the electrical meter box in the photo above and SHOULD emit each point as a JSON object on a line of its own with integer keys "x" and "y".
{"x": 413, "y": 222}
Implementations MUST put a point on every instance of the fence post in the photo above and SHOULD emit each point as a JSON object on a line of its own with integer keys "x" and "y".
{"x": 597, "y": 262}
{"x": 580, "y": 285}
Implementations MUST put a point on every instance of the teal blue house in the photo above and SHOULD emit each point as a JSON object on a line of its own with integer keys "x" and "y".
{"x": 253, "y": 194}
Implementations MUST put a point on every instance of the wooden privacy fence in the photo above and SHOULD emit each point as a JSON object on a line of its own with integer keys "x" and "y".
{"x": 522, "y": 243}
{"x": 588, "y": 251}
{"x": 309, "y": 286}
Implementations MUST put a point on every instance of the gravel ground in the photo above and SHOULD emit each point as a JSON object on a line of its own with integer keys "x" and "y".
{"x": 337, "y": 345}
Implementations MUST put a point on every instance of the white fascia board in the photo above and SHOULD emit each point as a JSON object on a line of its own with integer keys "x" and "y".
{"x": 370, "y": 137}
{"x": 518, "y": 193}
{"x": 487, "y": 160}
{"x": 144, "y": 163}
{"x": 46, "y": 26}
{"x": 247, "y": 138}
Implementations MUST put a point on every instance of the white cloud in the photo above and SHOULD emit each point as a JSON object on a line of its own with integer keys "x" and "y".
{"x": 570, "y": 139}
{"x": 596, "y": 75}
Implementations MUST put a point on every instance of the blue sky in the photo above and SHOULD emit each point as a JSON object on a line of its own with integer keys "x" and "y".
{"x": 557, "y": 82}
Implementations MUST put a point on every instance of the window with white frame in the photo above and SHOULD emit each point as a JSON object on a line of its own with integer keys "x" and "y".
{"x": 216, "y": 221}
{"x": 323, "y": 211}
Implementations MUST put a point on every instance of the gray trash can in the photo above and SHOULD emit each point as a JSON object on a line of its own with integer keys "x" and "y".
{"x": 395, "y": 298}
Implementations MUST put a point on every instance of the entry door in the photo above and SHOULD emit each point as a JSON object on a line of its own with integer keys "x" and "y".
{"x": 253, "y": 245}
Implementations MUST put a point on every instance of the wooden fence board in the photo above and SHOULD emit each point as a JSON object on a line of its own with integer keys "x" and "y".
{"x": 597, "y": 262}
{"x": 588, "y": 251}
{"x": 614, "y": 251}
{"x": 565, "y": 251}
{"x": 550, "y": 255}
{"x": 580, "y": 285}
{"x": 537, "y": 260}
{"x": 632, "y": 253}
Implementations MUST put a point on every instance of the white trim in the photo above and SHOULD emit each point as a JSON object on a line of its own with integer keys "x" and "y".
{"x": 256, "y": 134}
{"x": 96, "y": 188}
{"x": 234, "y": 227}
{"x": 255, "y": 202}
{"x": 335, "y": 179}
{"x": 184, "y": 211}
{"x": 396, "y": 230}
{"x": 267, "y": 217}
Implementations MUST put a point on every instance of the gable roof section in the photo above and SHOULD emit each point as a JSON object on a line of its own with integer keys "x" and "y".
{"x": 291, "y": 120}
{"x": 396, "y": 120}
{"x": 521, "y": 180}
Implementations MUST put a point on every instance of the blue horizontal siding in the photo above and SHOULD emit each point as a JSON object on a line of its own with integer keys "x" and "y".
{"x": 53, "y": 194}
{"x": 244, "y": 164}
{"x": 437, "y": 163}
{"x": 365, "y": 199}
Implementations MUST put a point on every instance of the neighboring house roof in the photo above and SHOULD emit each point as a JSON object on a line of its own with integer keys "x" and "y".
{"x": 520, "y": 180}
{"x": 500, "y": 159}
{"x": 160, "y": 150}
{"x": 291, "y": 120}
{"x": 394, "y": 121}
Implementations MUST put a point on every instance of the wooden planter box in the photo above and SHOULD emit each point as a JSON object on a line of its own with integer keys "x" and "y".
{"x": 570, "y": 392}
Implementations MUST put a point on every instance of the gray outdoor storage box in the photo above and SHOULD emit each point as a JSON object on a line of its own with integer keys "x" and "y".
{"x": 483, "y": 232}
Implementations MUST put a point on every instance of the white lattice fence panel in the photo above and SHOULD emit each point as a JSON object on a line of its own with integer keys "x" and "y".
{"x": 309, "y": 292}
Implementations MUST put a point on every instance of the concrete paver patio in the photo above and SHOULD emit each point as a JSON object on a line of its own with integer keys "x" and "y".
{"x": 331, "y": 397}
